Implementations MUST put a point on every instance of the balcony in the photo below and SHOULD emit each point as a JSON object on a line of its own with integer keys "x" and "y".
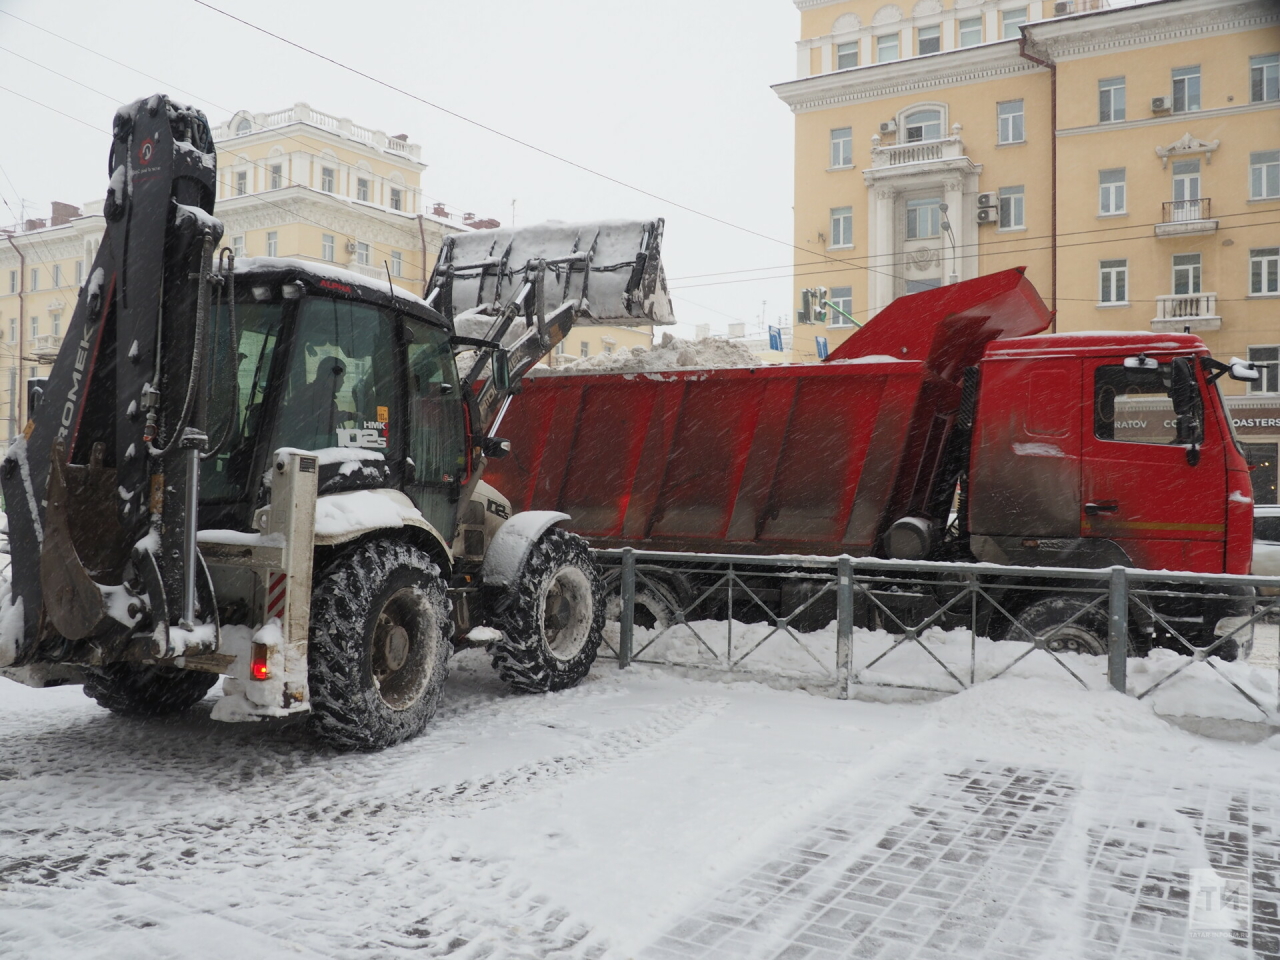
{"x": 1181, "y": 312}
{"x": 924, "y": 151}
{"x": 1186, "y": 218}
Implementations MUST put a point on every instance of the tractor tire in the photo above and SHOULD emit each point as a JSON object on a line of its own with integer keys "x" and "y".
{"x": 553, "y": 620}
{"x": 378, "y": 655}
{"x": 1088, "y": 633}
{"x": 143, "y": 690}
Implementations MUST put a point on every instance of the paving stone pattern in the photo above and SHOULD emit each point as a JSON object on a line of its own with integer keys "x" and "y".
{"x": 997, "y": 861}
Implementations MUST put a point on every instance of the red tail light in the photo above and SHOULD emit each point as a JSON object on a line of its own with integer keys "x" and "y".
{"x": 259, "y": 669}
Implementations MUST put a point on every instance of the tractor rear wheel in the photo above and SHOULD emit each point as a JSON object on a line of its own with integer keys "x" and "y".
{"x": 553, "y": 620}
{"x": 378, "y": 655}
{"x": 144, "y": 690}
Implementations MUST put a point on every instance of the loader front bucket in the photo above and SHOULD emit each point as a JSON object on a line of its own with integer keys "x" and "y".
{"x": 607, "y": 271}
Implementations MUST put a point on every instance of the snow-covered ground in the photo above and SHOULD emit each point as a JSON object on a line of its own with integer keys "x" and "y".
{"x": 640, "y": 815}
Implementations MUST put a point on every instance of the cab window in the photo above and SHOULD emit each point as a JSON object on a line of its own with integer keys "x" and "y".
{"x": 1136, "y": 405}
{"x": 437, "y": 429}
{"x": 340, "y": 385}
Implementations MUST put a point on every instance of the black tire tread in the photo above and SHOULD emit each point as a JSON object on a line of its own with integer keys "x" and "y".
{"x": 345, "y": 711}
{"x": 142, "y": 690}
{"x": 520, "y": 654}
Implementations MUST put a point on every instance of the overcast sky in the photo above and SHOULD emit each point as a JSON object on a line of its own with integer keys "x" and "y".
{"x": 669, "y": 96}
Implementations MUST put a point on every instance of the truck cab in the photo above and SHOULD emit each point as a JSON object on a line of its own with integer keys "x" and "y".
{"x": 1094, "y": 449}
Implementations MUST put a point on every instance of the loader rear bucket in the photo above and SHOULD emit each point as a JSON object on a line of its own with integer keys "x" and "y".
{"x": 611, "y": 270}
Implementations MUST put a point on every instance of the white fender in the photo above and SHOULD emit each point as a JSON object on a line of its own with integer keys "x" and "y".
{"x": 512, "y": 543}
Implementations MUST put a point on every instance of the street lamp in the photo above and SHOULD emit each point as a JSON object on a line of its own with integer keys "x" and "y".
{"x": 946, "y": 228}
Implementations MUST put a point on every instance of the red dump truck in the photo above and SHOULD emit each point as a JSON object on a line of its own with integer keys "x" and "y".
{"x": 948, "y": 427}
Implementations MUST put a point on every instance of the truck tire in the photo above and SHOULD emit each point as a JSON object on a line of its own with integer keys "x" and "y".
{"x": 144, "y": 690}
{"x": 379, "y": 648}
{"x": 553, "y": 621}
{"x": 657, "y": 606}
{"x": 1087, "y": 634}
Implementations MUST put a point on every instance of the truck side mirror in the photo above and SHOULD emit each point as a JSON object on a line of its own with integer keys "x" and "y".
{"x": 1183, "y": 390}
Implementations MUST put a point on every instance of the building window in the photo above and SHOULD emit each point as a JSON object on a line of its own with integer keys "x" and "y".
{"x": 13, "y": 329}
{"x": 396, "y": 202}
{"x": 397, "y": 263}
{"x": 1264, "y": 179}
{"x": 1113, "y": 281}
{"x": 585, "y": 349}
{"x": 1264, "y": 271}
{"x": 13, "y": 279}
{"x": 362, "y": 253}
{"x": 326, "y": 247}
{"x": 841, "y": 227}
{"x": 842, "y": 147}
{"x": 277, "y": 176}
{"x": 1010, "y": 120}
{"x": 1010, "y": 21}
{"x": 326, "y": 179}
{"x": 842, "y": 299}
{"x": 1111, "y": 100}
{"x": 560, "y": 349}
{"x": 242, "y": 182}
{"x": 928, "y": 40}
{"x": 243, "y": 127}
{"x": 923, "y": 125}
{"x": 846, "y": 55}
{"x": 924, "y": 218}
{"x": 1186, "y": 89}
{"x": 1186, "y": 274}
{"x": 271, "y": 243}
{"x": 1111, "y": 191}
{"x": 1264, "y": 78}
{"x": 1012, "y": 210}
{"x": 608, "y": 349}
{"x": 1186, "y": 189}
{"x": 79, "y": 272}
{"x": 1267, "y": 360}
{"x": 57, "y": 324}
{"x": 362, "y": 189}
{"x": 35, "y": 279}
{"x": 237, "y": 245}
{"x": 887, "y": 48}
{"x": 35, "y": 327}
{"x": 57, "y": 275}
{"x": 971, "y": 32}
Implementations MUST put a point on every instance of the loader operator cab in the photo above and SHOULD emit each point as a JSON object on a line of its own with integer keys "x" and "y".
{"x": 317, "y": 366}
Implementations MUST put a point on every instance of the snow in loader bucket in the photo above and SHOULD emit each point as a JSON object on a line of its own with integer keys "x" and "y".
{"x": 610, "y": 271}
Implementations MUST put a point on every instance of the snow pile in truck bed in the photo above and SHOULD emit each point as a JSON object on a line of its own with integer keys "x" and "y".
{"x": 672, "y": 353}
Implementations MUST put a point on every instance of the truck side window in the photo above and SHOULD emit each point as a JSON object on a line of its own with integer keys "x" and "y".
{"x": 1134, "y": 405}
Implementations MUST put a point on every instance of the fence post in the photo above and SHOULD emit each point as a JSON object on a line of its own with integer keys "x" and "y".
{"x": 626, "y": 626}
{"x": 1118, "y": 634}
{"x": 844, "y": 623}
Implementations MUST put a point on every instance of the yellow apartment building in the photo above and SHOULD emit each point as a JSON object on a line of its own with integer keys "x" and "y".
{"x": 1129, "y": 157}
{"x": 292, "y": 183}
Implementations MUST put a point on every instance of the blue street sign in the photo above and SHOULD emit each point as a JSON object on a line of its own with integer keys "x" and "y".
{"x": 822, "y": 347}
{"x": 775, "y": 338}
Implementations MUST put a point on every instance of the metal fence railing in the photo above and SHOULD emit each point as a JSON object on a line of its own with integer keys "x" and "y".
{"x": 841, "y": 623}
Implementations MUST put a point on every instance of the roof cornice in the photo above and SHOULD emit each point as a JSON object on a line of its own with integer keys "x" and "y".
{"x": 1145, "y": 24}
{"x": 803, "y": 5}
{"x": 879, "y": 80}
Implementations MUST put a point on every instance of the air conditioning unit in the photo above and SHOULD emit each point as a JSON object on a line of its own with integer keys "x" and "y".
{"x": 889, "y": 126}
{"x": 1160, "y": 105}
{"x": 988, "y": 215}
{"x": 987, "y": 200}
{"x": 351, "y": 246}
{"x": 1062, "y": 8}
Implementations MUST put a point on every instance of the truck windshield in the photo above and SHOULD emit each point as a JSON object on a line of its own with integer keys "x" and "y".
{"x": 1135, "y": 405}
{"x": 236, "y": 405}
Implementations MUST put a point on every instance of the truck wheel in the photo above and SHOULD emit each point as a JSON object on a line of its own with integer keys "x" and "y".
{"x": 379, "y": 649}
{"x": 656, "y": 604}
{"x": 144, "y": 690}
{"x": 554, "y": 622}
{"x": 1087, "y": 634}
